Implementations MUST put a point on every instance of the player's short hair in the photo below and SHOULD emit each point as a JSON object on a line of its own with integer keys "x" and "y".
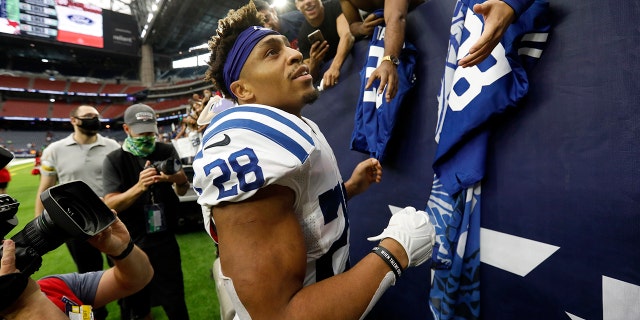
{"x": 221, "y": 43}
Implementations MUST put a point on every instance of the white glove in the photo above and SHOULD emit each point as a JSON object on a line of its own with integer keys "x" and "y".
{"x": 413, "y": 231}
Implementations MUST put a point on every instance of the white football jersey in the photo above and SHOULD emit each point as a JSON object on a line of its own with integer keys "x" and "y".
{"x": 248, "y": 147}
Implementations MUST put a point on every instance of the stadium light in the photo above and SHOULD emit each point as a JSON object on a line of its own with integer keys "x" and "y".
{"x": 279, "y": 3}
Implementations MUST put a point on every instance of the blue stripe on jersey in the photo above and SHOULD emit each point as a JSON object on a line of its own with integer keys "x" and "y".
{"x": 272, "y": 134}
{"x": 330, "y": 203}
{"x": 270, "y": 113}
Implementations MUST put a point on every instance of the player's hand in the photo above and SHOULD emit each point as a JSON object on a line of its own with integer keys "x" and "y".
{"x": 497, "y": 16}
{"x": 387, "y": 72}
{"x": 365, "y": 173}
{"x": 413, "y": 231}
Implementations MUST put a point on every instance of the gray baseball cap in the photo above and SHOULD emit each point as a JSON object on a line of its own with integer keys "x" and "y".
{"x": 141, "y": 119}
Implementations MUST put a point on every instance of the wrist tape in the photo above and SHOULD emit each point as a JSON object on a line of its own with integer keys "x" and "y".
{"x": 389, "y": 258}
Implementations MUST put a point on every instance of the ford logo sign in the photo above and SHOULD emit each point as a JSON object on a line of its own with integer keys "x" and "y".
{"x": 80, "y": 19}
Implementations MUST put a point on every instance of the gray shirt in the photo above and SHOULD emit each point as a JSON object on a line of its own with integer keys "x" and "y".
{"x": 71, "y": 161}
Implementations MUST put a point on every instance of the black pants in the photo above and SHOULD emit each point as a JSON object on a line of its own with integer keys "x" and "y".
{"x": 166, "y": 287}
{"x": 86, "y": 257}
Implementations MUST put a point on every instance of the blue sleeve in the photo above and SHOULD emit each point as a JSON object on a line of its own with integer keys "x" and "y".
{"x": 519, "y": 6}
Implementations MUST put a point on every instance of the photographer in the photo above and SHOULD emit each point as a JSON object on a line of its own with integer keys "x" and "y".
{"x": 139, "y": 188}
{"x": 130, "y": 273}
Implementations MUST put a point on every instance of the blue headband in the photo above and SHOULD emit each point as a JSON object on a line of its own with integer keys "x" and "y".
{"x": 240, "y": 51}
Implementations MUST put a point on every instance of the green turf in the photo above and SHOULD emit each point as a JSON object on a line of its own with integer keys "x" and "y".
{"x": 197, "y": 252}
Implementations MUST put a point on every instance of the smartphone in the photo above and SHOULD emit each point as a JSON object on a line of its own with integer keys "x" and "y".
{"x": 315, "y": 36}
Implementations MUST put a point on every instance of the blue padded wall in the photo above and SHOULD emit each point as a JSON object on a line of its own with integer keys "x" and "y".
{"x": 563, "y": 168}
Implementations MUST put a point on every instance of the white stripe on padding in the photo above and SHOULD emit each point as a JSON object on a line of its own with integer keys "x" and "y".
{"x": 535, "y": 37}
{"x": 620, "y": 300}
{"x": 532, "y": 52}
{"x": 573, "y": 316}
{"x": 512, "y": 253}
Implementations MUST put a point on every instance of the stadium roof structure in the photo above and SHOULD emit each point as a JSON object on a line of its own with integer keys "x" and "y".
{"x": 173, "y": 27}
{"x": 183, "y": 24}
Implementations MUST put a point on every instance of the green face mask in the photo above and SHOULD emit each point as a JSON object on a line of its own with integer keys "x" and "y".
{"x": 141, "y": 146}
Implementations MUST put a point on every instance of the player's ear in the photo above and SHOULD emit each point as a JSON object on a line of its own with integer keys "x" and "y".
{"x": 241, "y": 90}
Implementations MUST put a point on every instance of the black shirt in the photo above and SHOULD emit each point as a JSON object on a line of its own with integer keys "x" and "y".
{"x": 328, "y": 27}
{"x": 121, "y": 171}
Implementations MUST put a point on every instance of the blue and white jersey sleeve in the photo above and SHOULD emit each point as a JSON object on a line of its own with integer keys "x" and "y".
{"x": 249, "y": 147}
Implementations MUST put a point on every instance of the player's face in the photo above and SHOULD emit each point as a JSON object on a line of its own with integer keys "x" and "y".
{"x": 276, "y": 76}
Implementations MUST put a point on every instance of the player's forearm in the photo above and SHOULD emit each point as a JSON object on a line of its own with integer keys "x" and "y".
{"x": 325, "y": 299}
{"x": 352, "y": 188}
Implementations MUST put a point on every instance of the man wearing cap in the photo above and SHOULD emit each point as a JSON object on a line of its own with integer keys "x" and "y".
{"x": 275, "y": 199}
{"x": 146, "y": 199}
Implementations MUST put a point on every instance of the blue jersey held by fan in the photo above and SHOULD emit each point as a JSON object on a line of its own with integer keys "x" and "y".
{"x": 468, "y": 99}
{"x": 374, "y": 116}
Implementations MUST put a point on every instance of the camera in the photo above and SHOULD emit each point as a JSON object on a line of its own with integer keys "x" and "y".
{"x": 72, "y": 211}
{"x": 169, "y": 166}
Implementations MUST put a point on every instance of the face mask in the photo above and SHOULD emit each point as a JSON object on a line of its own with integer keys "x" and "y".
{"x": 141, "y": 146}
{"x": 89, "y": 124}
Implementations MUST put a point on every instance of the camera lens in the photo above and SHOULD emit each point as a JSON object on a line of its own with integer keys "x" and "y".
{"x": 41, "y": 234}
{"x": 169, "y": 166}
{"x": 77, "y": 210}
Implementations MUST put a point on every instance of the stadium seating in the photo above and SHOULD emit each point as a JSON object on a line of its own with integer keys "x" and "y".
{"x": 113, "y": 88}
{"x": 113, "y": 111}
{"x": 85, "y": 87}
{"x": 131, "y": 89}
{"x": 167, "y": 104}
{"x": 25, "y": 108}
{"x": 62, "y": 110}
{"x": 9, "y": 81}
{"x": 41, "y": 84}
